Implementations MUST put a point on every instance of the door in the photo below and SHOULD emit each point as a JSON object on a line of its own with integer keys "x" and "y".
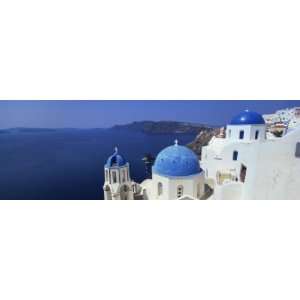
{"x": 243, "y": 173}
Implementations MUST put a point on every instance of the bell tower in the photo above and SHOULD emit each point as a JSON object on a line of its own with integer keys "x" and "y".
{"x": 117, "y": 184}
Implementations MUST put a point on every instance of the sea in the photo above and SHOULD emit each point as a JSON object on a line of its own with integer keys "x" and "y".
{"x": 62, "y": 164}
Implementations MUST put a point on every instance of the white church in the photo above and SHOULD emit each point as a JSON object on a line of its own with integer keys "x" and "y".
{"x": 246, "y": 163}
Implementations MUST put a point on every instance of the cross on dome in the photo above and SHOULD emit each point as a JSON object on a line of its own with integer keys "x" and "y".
{"x": 116, "y": 149}
{"x": 176, "y": 142}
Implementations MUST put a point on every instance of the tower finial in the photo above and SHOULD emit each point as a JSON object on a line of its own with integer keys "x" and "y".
{"x": 116, "y": 149}
{"x": 176, "y": 142}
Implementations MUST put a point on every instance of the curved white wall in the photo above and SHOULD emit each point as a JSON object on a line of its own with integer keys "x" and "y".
{"x": 192, "y": 186}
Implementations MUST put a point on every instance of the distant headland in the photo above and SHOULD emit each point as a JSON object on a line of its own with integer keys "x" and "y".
{"x": 164, "y": 127}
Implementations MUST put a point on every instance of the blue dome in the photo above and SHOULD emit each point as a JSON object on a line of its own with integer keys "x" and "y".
{"x": 176, "y": 161}
{"x": 115, "y": 160}
{"x": 248, "y": 118}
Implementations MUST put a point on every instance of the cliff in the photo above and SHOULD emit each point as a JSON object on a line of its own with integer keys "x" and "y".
{"x": 202, "y": 139}
{"x": 163, "y": 127}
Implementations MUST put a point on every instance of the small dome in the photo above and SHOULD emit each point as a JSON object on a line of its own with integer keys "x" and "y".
{"x": 176, "y": 160}
{"x": 115, "y": 160}
{"x": 248, "y": 118}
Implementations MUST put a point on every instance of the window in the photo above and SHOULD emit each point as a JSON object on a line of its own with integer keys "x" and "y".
{"x": 256, "y": 134}
{"x": 179, "y": 191}
{"x": 159, "y": 188}
{"x": 114, "y": 176}
{"x": 235, "y": 155}
{"x": 241, "y": 134}
{"x": 229, "y": 133}
{"x": 297, "y": 153}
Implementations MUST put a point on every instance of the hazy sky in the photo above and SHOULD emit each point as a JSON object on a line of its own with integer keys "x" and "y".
{"x": 92, "y": 114}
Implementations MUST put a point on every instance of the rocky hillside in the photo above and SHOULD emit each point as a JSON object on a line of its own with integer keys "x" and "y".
{"x": 202, "y": 139}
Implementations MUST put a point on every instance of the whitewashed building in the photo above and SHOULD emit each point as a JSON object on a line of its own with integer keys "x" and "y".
{"x": 117, "y": 184}
{"x": 248, "y": 165}
{"x": 289, "y": 116}
{"x": 245, "y": 163}
{"x": 176, "y": 174}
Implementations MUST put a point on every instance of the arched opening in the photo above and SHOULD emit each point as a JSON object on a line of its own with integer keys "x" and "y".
{"x": 179, "y": 191}
{"x": 256, "y": 134}
{"x": 107, "y": 193}
{"x": 159, "y": 188}
{"x": 114, "y": 176}
{"x": 124, "y": 192}
{"x": 242, "y": 133}
{"x": 235, "y": 155}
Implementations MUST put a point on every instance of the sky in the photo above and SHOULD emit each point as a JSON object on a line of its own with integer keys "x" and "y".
{"x": 103, "y": 114}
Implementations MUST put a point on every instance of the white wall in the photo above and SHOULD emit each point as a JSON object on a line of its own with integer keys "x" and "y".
{"x": 276, "y": 171}
{"x": 170, "y": 185}
{"x": 229, "y": 191}
{"x": 273, "y": 171}
{"x": 233, "y": 132}
{"x": 220, "y": 158}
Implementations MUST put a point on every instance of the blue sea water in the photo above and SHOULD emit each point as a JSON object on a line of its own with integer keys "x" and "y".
{"x": 68, "y": 163}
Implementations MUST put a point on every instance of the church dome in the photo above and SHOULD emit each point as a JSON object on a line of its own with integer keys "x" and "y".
{"x": 176, "y": 160}
{"x": 248, "y": 118}
{"x": 115, "y": 160}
